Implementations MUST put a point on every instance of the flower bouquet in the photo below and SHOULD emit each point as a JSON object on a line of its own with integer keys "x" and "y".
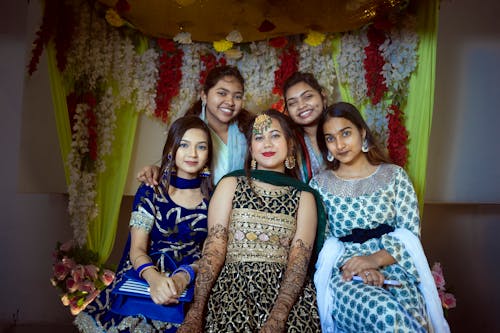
{"x": 448, "y": 300}
{"x": 78, "y": 275}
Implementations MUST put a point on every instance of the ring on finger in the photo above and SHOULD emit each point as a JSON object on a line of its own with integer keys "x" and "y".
{"x": 367, "y": 273}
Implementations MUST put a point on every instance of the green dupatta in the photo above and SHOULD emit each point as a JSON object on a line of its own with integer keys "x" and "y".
{"x": 280, "y": 179}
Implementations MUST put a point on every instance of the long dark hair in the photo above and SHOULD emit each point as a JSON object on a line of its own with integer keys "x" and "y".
{"x": 213, "y": 77}
{"x": 174, "y": 137}
{"x": 288, "y": 130}
{"x": 375, "y": 155}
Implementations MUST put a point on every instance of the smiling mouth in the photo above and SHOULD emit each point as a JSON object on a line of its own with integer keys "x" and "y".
{"x": 268, "y": 154}
{"x": 305, "y": 114}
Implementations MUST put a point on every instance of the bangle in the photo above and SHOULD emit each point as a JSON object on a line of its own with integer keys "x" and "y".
{"x": 143, "y": 267}
{"x": 188, "y": 270}
{"x": 139, "y": 256}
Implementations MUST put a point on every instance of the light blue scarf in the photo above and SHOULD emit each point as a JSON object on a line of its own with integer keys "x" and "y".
{"x": 227, "y": 157}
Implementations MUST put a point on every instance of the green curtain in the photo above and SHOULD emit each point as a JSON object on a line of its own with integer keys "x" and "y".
{"x": 111, "y": 183}
{"x": 420, "y": 103}
{"x": 419, "y": 106}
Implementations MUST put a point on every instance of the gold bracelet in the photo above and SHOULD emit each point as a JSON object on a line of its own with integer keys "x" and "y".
{"x": 139, "y": 256}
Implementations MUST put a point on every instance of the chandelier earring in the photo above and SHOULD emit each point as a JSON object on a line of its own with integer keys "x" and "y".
{"x": 253, "y": 164}
{"x": 330, "y": 157}
{"x": 171, "y": 164}
{"x": 203, "y": 108}
{"x": 290, "y": 162}
{"x": 364, "y": 147}
{"x": 205, "y": 173}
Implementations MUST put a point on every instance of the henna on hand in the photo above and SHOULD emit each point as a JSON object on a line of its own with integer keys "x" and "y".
{"x": 291, "y": 285}
{"x": 209, "y": 267}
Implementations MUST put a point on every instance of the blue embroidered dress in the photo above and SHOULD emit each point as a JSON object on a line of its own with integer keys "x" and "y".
{"x": 385, "y": 197}
{"x": 174, "y": 231}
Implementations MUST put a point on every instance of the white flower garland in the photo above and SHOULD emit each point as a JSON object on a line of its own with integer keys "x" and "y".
{"x": 319, "y": 60}
{"x": 350, "y": 62}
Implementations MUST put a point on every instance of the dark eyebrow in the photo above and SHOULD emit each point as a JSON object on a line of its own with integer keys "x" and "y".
{"x": 341, "y": 130}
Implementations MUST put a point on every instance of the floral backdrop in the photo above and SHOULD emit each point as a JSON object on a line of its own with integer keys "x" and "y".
{"x": 106, "y": 64}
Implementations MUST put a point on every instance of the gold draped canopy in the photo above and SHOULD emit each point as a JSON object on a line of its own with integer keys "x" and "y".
{"x": 211, "y": 20}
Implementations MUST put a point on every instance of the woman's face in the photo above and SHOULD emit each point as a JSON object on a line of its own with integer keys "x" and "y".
{"x": 304, "y": 104}
{"x": 343, "y": 140}
{"x": 192, "y": 153}
{"x": 270, "y": 148}
{"x": 224, "y": 100}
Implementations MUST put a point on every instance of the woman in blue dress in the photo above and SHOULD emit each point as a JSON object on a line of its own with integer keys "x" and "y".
{"x": 373, "y": 237}
{"x": 168, "y": 226}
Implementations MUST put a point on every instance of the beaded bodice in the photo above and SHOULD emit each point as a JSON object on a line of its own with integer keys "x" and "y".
{"x": 263, "y": 223}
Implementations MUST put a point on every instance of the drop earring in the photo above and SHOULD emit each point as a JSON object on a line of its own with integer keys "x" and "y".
{"x": 253, "y": 164}
{"x": 364, "y": 147}
{"x": 330, "y": 157}
{"x": 290, "y": 162}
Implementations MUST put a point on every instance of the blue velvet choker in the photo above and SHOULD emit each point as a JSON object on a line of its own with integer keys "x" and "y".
{"x": 182, "y": 183}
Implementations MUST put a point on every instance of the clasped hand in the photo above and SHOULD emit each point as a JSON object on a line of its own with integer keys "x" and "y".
{"x": 364, "y": 266}
{"x": 166, "y": 290}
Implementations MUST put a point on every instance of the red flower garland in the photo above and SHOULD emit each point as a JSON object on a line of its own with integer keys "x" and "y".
{"x": 278, "y": 42}
{"x": 57, "y": 23}
{"x": 398, "y": 136}
{"x": 169, "y": 77}
{"x": 373, "y": 64}
{"x": 289, "y": 64}
{"x": 208, "y": 62}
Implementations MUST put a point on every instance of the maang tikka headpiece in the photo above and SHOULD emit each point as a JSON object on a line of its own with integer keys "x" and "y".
{"x": 261, "y": 124}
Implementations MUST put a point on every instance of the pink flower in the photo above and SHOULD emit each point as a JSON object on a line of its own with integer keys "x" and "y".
{"x": 437, "y": 273}
{"x": 91, "y": 271}
{"x": 71, "y": 285}
{"x": 87, "y": 286}
{"x": 448, "y": 300}
{"x": 60, "y": 271}
{"x": 78, "y": 273}
{"x": 67, "y": 246}
{"x": 69, "y": 263}
{"x": 65, "y": 299}
{"x": 107, "y": 277}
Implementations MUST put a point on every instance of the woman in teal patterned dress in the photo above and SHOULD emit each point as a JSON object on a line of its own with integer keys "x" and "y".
{"x": 373, "y": 236}
{"x": 262, "y": 225}
{"x": 168, "y": 223}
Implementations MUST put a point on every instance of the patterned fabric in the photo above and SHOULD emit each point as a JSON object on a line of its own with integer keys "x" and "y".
{"x": 385, "y": 197}
{"x": 176, "y": 233}
{"x": 317, "y": 163}
{"x": 261, "y": 229}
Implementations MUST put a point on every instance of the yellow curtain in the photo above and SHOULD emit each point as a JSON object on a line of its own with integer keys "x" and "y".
{"x": 111, "y": 183}
{"x": 418, "y": 109}
{"x": 420, "y": 101}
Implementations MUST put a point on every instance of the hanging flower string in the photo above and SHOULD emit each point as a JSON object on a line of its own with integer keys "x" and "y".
{"x": 289, "y": 64}
{"x": 373, "y": 63}
{"x": 169, "y": 78}
{"x": 398, "y": 136}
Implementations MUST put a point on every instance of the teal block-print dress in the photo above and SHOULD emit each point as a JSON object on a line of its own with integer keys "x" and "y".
{"x": 385, "y": 197}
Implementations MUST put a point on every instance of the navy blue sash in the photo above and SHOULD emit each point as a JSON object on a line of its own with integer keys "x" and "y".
{"x": 362, "y": 235}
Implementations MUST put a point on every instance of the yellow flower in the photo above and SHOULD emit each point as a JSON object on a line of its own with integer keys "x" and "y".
{"x": 113, "y": 18}
{"x": 222, "y": 45}
{"x": 314, "y": 38}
